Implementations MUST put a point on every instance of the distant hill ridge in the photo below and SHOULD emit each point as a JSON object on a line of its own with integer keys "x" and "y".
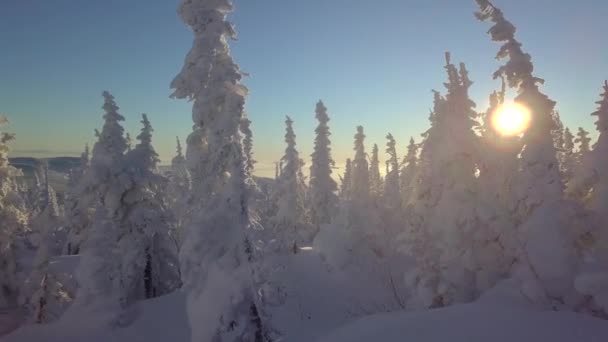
{"x": 57, "y": 164}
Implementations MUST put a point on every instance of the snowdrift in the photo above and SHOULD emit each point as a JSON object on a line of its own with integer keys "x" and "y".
{"x": 501, "y": 316}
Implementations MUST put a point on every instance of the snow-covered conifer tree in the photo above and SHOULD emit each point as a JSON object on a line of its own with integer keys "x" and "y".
{"x": 360, "y": 174}
{"x": 77, "y": 206}
{"x": 593, "y": 179}
{"x": 103, "y": 187}
{"x": 98, "y": 274}
{"x": 447, "y": 237}
{"x": 408, "y": 172}
{"x": 568, "y": 162}
{"x": 583, "y": 141}
{"x": 147, "y": 241}
{"x": 539, "y": 192}
{"x": 590, "y": 178}
{"x": 558, "y": 131}
{"x": 375, "y": 180}
{"x": 392, "y": 195}
{"x": 290, "y": 219}
{"x": 248, "y": 144}
{"x": 40, "y": 291}
{"x": 323, "y": 187}
{"x": 346, "y": 181}
{"x": 129, "y": 141}
{"x": 599, "y": 199}
{"x": 100, "y": 181}
{"x": 13, "y": 218}
{"x": 215, "y": 267}
{"x": 179, "y": 188}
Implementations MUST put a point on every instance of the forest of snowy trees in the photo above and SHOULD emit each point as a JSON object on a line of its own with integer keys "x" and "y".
{"x": 462, "y": 209}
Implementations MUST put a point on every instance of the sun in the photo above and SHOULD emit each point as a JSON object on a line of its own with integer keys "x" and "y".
{"x": 511, "y": 119}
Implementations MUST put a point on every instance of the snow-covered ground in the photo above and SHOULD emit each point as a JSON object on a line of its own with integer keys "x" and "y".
{"x": 500, "y": 316}
{"x": 323, "y": 309}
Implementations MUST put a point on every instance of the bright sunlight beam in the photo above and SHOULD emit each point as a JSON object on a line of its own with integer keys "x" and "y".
{"x": 511, "y": 119}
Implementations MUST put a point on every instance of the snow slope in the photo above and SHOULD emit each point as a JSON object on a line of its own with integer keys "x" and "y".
{"x": 501, "y": 316}
{"x": 323, "y": 303}
{"x": 158, "y": 320}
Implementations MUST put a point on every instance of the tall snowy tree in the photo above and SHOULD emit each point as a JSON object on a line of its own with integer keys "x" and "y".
{"x": 40, "y": 291}
{"x": 248, "y": 144}
{"x": 100, "y": 181}
{"x": 129, "y": 141}
{"x": 558, "y": 131}
{"x": 583, "y": 141}
{"x": 146, "y": 241}
{"x": 77, "y": 207}
{"x": 599, "y": 199}
{"x": 346, "y": 181}
{"x": 179, "y": 188}
{"x": 360, "y": 174}
{"x": 408, "y": 172}
{"x": 323, "y": 187}
{"x": 98, "y": 273}
{"x": 569, "y": 162}
{"x": 448, "y": 238}
{"x": 540, "y": 185}
{"x": 375, "y": 180}
{"x": 215, "y": 268}
{"x": 102, "y": 187}
{"x": 392, "y": 195}
{"x": 13, "y": 218}
{"x": 592, "y": 179}
{"x": 290, "y": 219}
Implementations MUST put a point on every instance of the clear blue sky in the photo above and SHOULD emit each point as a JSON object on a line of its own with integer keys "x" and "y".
{"x": 373, "y": 62}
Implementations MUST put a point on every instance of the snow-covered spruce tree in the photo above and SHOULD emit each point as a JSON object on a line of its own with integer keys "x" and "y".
{"x": 147, "y": 242}
{"x": 359, "y": 215}
{"x": 580, "y": 185}
{"x": 593, "y": 280}
{"x": 346, "y": 181}
{"x": 599, "y": 198}
{"x": 14, "y": 219}
{"x": 558, "y": 131}
{"x": 584, "y": 143}
{"x": 358, "y": 208}
{"x": 559, "y": 141}
{"x": 290, "y": 219}
{"x": 498, "y": 167}
{"x": 392, "y": 195}
{"x": 408, "y": 172}
{"x": 36, "y": 200}
{"x": 589, "y": 179}
{"x": 546, "y": 273}
{"x": 375, "y": 180}
{"x": 360, "y": 174}
{"x": 101, "y": 181}
{"x": 129, "y": 141}
{"x": 568, "y": 162}
{"x": 417, "y": 242}
{"x": 102, "y": 187}
{"x": 77, "y": 206}
{"x": 248, "y": 145}
{"x": 323, "y": 188}
{"x": 40, "y": 292}
{"x": 179, "y": 189}
{"x": 222, "y": 304}
{"x": 98, "y": 274}
{"x": 453, "y": 248}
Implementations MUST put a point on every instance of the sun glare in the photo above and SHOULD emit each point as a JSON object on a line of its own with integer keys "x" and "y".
{"x": 511, "y": 119}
